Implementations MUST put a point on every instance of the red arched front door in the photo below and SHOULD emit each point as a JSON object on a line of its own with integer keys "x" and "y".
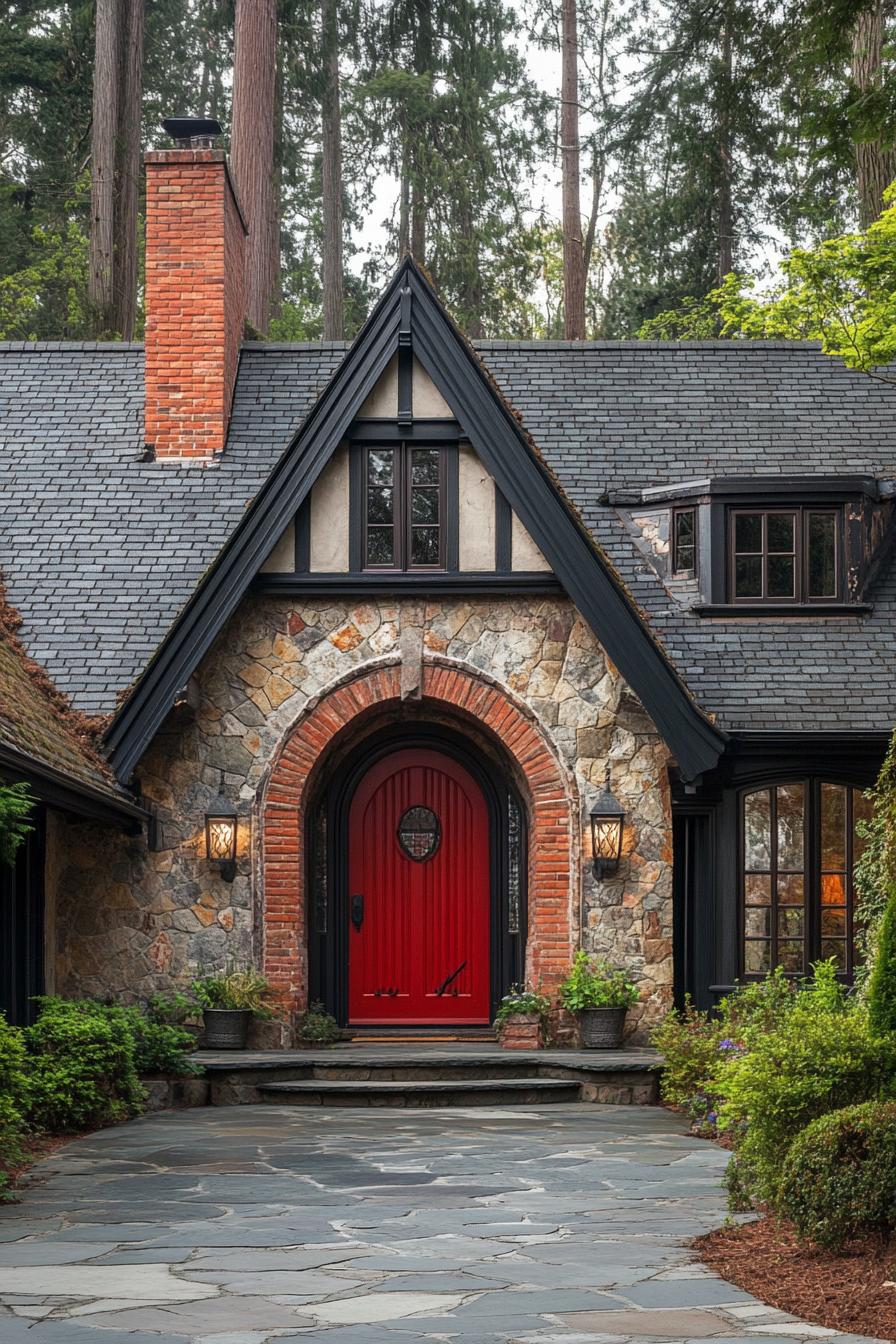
{"x": 418, "y": 893}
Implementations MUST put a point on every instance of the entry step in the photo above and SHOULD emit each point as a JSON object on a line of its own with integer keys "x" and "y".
{"x": 428, "y": 1093}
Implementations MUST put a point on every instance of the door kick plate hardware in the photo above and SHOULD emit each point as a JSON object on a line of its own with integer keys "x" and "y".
{"x": 357, "y": 911}
{"x": 448, "y": 980}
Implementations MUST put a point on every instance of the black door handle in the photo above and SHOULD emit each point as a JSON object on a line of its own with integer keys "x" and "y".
{"x": 357, "y": 912}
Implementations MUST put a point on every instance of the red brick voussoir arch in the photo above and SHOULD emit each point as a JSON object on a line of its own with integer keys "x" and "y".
{"x": 552, "y": 851}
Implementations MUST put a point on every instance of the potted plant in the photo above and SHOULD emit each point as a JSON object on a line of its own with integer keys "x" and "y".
{"x": 317, "y": 1027}
{"x": 228, "y": 1000}
{"x": 521, "y": 1019}
{"x": 599, "y": 996}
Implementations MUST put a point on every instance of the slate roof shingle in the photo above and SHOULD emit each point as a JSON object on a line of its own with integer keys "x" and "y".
{"x": 101, "y": 550}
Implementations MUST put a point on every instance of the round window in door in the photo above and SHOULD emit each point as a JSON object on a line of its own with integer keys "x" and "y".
{"x": 419, "y": 833}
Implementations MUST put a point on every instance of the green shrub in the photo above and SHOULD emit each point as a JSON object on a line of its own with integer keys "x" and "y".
{"x": 839, "y": 1178}
{"x": 689, "y": 1042}
{"x": 595, "y": 984}
{"x": 13, "y": 1098}
{"x": 882, "y": 983}
{"x": 159, "y": 1047}
{"x": 81, "y": 1065}
{"x": 171, "y": 1010}
{"x": 237, "y": 990}
{"x": 821, "y": 1056}
{"x": 317, "y": 1027}
{"x": 519, "y": 999}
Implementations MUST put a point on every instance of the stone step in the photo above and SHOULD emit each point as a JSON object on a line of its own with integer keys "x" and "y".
{"x": 422, "y": 1092}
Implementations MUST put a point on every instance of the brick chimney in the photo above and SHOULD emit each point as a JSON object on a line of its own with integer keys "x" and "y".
{"x": 195, "y": 297}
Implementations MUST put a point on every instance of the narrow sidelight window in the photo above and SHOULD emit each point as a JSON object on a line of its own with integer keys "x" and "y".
{"x": 784, "y": 555}
{"x": 684, "y": 541}
{"x": 800, "y": 845}
{"x": 404, "y": 501}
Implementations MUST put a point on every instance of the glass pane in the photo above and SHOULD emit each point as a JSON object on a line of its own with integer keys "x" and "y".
{"x": 424, "y": 506}
{"x": 780, "y": 531}
{"x": 747, "y": 532}
{"x": 380, "y": 549}
{"x": 425, "y": 466}
{"x": 862, "y": 811}
{"x": 757, "y": 922}
{"x": 790, "y": 922}
{"x": 790, "y": 955}
{"x": 822, "y": 555}
{"x": 748, "y": 576}
{"x": 425, "y": 546}
{"x": 379, "y": 504}
{"x": 835, "y": 948}
{"x": 758, "y": 830}
{"x": 758, "y": 889}
{"x": 380, "y": 462}
{"x": 790, "y": 826}
{"x": 684, "y": 558}
{"x": 833, "y": 889}
{"x": 757, "y": 958}
{"x": 833, "y": 923}
{"x": 790, "y": 889}
{"x": 684, "y": 528}
{"x": 833, "y": 827}
{"x": 781, "y": 569}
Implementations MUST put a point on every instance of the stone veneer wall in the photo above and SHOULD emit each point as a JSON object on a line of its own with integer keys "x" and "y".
{"x": 130, "y": 921}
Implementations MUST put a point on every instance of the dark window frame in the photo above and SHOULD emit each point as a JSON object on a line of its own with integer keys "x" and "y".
{"x": 402, "y": 524}
{"x": 679, "y": 570}
{"x": 813, "y": 871}
{"x": 801, "y": 513}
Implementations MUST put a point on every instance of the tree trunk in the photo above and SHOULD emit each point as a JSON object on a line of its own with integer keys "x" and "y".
{"x": 103, "y": 139}
{"x": 573, "y": 248}
{"x": 875, "y": 162}
{"x": 331, "y": 172}
{"x": 252, "y": 151}
{"x": 423, "y": 62}
{"x": 724, "y": 153}
{"x": 127, "y": 171}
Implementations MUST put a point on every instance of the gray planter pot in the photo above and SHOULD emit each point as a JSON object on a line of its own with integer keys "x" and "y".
{"x": 602, "y": 1028}
{"x": 226, "y": 1028}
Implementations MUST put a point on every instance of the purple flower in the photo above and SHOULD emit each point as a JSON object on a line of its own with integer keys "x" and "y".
{"x": 712, "y": 1117}
{"x": 728, "y": 1045}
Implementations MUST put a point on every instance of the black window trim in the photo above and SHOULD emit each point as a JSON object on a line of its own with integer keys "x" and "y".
{"x": 801, "y": 511}
{"x": 678, "y": 570}
{"x": 403, "y": 445}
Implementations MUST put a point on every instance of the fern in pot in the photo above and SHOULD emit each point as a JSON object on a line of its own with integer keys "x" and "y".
{"x": 599, "y": 996}
{"x": 229, "y": 999}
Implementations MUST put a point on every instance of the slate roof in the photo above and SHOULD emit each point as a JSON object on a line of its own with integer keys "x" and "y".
{"x": 101, "y": 550}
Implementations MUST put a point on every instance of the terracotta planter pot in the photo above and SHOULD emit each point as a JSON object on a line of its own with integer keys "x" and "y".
{"x": 602, "y": 1028}
{"x": 524, "y": 1031}
{"x": 226, "y": 1028}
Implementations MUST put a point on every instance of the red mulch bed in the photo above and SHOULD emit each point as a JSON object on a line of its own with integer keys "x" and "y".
{"x": 845, "y": 1292}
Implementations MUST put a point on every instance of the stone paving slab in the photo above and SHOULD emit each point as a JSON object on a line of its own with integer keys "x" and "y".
{"x": 250, "y": 1225}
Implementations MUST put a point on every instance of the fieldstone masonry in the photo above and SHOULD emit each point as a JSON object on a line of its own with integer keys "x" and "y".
{"x": 136, "y": 921}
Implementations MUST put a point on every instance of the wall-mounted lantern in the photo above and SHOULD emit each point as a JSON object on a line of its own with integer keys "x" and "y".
{"x": 607, "y": 825}
{"x": 220, "y": 833}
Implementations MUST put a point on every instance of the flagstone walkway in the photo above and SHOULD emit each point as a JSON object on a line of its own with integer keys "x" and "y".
{"x": 250, "y": 1224}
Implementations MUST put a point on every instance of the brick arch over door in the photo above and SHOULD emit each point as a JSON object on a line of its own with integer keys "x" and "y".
{"x": 548, "y": 791}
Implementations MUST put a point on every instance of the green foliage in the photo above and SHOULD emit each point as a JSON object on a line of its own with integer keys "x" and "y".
{"x": 16, "y": 802}
{"x": 820, "y": 1056}
{"x": 875, "y": 872}
{"x": 595, "y": 984}
{"x": 841, "y": 292}
{"x": 160, "y": 1047}
{"x": 519, "y": 999}
{"x": 13, "y": 1098}
{"x": 882, "y": 983}
{"x": 170, "y": 1009}
{"x": 317, "y": 1027}
{"x": 48, "y": 297}
{"x": 839, "y": 1177}
{"x": 241, "y": 990}
{"x": 81, "y": 1065}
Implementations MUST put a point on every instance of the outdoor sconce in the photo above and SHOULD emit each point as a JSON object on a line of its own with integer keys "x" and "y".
{"x": 220, "y": 834}
{"x": 607, "y": 823}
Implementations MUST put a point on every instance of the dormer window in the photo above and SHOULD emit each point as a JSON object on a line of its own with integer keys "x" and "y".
{"x": 784, "y": 555}
{"x": 684, "y": 543}
{"x": 404, "y": 496}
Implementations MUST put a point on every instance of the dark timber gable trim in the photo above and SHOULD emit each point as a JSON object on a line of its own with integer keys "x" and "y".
{"x": 409, "y": 310}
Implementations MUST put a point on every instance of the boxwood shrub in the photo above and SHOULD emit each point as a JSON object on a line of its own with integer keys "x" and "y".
{"x": 13, "y": 1098}
{"x": 839, "y": 1177}
{"x": 81, "y": 1065}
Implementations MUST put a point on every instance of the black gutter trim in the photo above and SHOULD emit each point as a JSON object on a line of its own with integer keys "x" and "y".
{"x": 59, "y": 789}
{"x": 770, "y": 611}
{"x": 297, "y": 585}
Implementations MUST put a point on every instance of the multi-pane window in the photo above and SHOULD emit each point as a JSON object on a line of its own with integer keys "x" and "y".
{"x": 684, "y": 541}
{"x": 800, "y": 845}
{"x": 404, "y": 491}
{"x": 784, "y": 555}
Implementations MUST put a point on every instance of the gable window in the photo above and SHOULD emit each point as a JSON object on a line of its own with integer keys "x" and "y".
{"x": 800, "y": 845}
{"x": 784, "y": 555}
{"x": 684, "y": 541}
{"x": 404, "y": 504}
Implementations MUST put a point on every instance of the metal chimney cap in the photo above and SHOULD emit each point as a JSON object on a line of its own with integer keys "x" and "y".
{"x": 193, "y": 132}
